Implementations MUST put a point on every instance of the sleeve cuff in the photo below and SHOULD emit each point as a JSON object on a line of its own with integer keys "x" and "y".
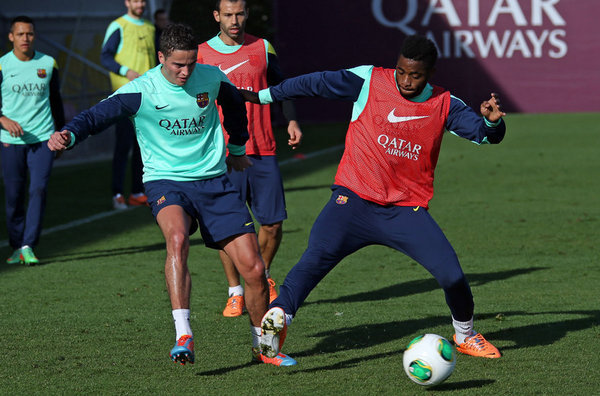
{"x": 264, "y": 95}
{"x": 236, "y": 150}
{"x": 123, "y": 71}
{"x": 491, "y": 124}
{"x": 72, "y": 143}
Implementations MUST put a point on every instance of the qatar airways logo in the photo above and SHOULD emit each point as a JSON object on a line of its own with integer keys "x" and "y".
{"x": 483, "y": 28}
{"x": 30, "y": 89}
{"x": 399, "y": 147}
{"x": 183, "y": 126}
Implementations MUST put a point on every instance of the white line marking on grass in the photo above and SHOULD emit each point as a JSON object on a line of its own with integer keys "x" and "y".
{"x": 102, "y": 215}
{"x": 76, "y": 223}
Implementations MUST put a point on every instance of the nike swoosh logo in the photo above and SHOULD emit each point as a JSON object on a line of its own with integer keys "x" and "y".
{"x": 393, "y": 119}
{"x": 416, "y": 208}
{"x": 157, "y": 107}
{"x": 232, "y": 68}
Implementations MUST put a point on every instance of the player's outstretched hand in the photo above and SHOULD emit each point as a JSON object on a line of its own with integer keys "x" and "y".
{"x": 59, "y": 141}
{"x": 491, "y": 109}
{"x": 237, "y": 163}
{"x": 295, "y": 134}
{"x": 249, "y": 96}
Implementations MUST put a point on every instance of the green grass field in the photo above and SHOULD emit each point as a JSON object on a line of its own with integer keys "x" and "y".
{"x": 523, "y": 217}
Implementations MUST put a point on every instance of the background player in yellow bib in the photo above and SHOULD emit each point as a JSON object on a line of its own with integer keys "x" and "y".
{"x": 127, "y": 52}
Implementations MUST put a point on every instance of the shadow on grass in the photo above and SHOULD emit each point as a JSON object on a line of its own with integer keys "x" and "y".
{"x": 533, "y": 335}
{"x": 423, "y": 286}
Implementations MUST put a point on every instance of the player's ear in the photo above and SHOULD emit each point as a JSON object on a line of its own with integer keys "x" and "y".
{"x": 217, "y": 16}
{"x": 161, "y": 57}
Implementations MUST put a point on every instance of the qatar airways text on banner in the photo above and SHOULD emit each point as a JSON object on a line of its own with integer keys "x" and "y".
{"x": 540, "y": 55}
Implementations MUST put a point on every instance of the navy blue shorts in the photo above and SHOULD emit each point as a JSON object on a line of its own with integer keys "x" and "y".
{"x": 213, "y": 204}
{"x": 348, "y": 223}
{"x": 262, "y": 188}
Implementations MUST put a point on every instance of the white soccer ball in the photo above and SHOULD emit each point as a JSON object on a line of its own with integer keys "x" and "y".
{"x": 429, "y": 359}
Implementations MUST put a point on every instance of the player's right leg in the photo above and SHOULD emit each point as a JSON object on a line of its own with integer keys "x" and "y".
{"x": 341, "y": 228}
{"x": 172, "y": 215}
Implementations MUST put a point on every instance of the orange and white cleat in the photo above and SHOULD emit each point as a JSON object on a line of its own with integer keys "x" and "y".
{"x": 476, "y": 345}
{"x": 272, "y": 291}
{"x": 273, "y": 332}
{"x": 234, "y": 307}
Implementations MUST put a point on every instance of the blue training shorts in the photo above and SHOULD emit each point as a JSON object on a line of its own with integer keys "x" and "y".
{"x": 262, "y": 188}
{"x": 213, "y": 204}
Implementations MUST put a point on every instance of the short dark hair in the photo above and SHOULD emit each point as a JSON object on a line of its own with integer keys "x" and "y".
{"x": 218, "y": 4}
{"x": 177, "y": 36}
{"x": 21, "y": 18}
{"x": 420, "y": 48}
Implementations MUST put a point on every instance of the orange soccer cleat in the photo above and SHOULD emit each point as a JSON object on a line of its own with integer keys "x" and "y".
{"x": 234, "y": 307}
{"x": 476, "y": 345}
{"x": 138, "y": 200}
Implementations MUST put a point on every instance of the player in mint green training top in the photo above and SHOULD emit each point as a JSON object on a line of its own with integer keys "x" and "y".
{"x": 31, "y": 109}
{"x": 177, "y": 125}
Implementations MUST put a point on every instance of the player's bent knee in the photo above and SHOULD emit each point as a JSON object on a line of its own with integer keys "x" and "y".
{"x": 177, "y": 240}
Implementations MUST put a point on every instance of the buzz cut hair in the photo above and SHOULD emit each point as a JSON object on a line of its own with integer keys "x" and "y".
{"x": 21, "y": 18}
{"x": 177, "y": 36}
{"x": 420, "y": 48}
{"x": 218, "y": 4}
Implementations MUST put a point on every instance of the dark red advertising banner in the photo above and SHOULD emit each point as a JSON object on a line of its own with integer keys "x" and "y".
{"x": 542, "y": 56}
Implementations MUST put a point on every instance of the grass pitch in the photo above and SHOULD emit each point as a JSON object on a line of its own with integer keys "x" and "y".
{"x": 522, "y": 216}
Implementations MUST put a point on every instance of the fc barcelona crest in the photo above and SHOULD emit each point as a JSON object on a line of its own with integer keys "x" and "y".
{"x": 41, "y": 73}
{"x": 202, "y": 99}
{"x": 341, "y": 200}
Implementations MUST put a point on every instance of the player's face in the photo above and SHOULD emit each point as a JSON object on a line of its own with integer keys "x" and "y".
{"x": 135, "y": 8}
{"x": 22, "y": 36}
{"x": 411, "y": 76}
{"x": 232, "y": 21}
{"x": 178, "y": 66}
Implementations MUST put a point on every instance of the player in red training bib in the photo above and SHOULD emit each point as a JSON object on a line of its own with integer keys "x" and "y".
{"x": 384, "y": 181}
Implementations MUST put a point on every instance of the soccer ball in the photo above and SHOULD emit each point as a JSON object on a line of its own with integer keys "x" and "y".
{"x": 429, "y": 359}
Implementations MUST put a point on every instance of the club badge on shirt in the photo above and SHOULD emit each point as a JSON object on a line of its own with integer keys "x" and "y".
{"x": 41, "y": 73}
{"x": 202, "y": 99}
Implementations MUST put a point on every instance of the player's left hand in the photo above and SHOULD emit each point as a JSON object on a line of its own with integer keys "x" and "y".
{"x": 491, "y": 109}
{"x": 295, "y": 134}
{"x": 59, "y": 141}
{"x": 237, "y": 163}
